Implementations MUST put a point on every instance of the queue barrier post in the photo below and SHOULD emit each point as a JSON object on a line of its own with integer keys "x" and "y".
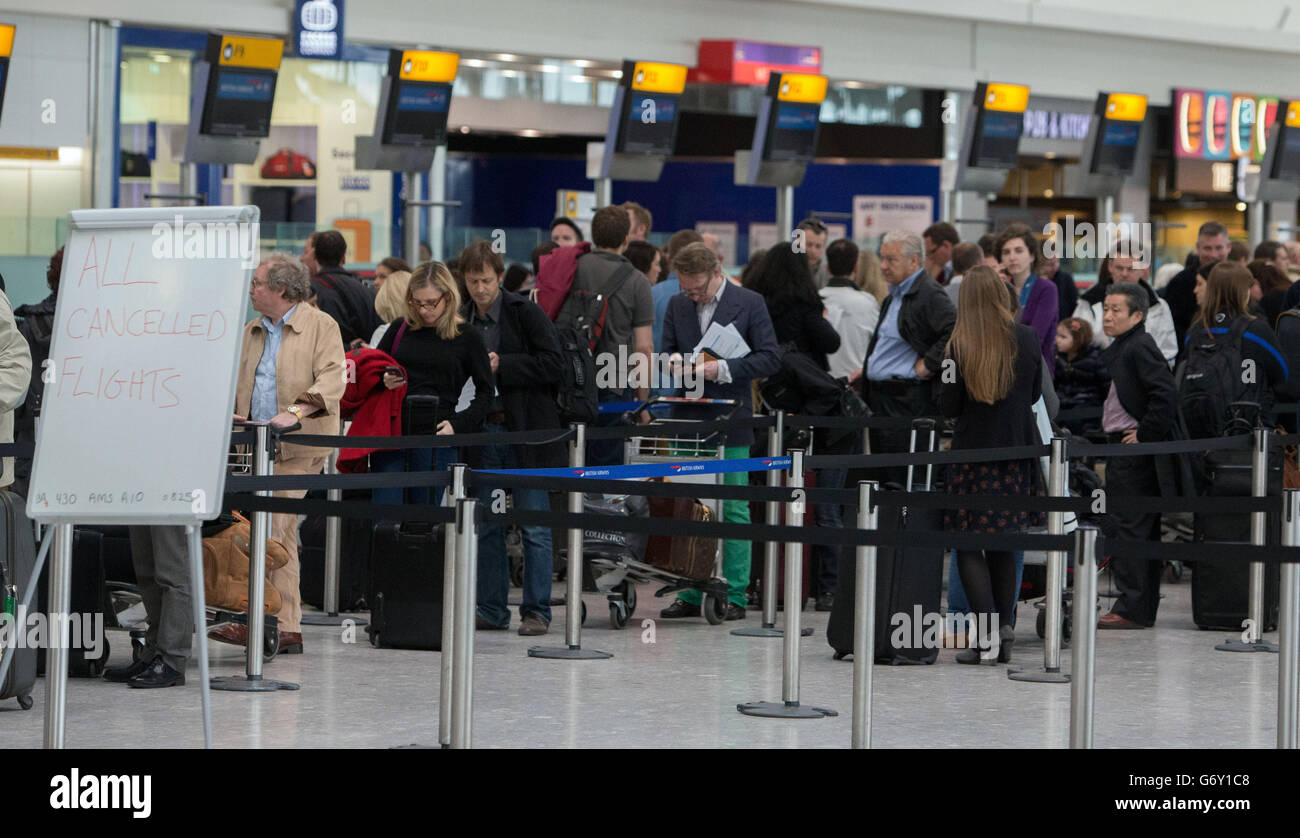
{"x": 1288, "y": 624}
{"x": 1254, "y": 627}
{"x": 1057, "y": 487}
{"x": 1084, "y": 649}
{"x": 573, "y": 598}
{"x": 864, "y": 617}
{"x": 455, "y": 494}
{"x": 56, "y": 666}
{"x": 789, "y": 707}
{"x": 252, "y": 680}
{"x": 462, "y": 707}
{"x": 775, "y": 444}
{"x": 333, "y": 546}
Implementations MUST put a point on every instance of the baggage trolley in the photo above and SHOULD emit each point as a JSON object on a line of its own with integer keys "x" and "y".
{"x": 617, "y": 578}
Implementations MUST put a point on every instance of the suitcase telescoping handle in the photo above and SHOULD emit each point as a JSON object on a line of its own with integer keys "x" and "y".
{"x": 927, "y": 425}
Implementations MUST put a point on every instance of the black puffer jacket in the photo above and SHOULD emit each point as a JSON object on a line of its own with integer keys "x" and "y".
{"x": 1083, "y": 382}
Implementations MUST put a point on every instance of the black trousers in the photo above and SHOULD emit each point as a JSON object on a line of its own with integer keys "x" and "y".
{"x": 1137, "y": 579}
{"x": 889, "y": 400}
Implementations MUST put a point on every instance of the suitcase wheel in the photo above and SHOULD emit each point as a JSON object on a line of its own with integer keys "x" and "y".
{"x": 25, "y": 702}
{"x": 715, "y": 609}
{"x": 1040, "y": 624}
{"x": 618, "y": 615}
{"x": 270, "y": 642}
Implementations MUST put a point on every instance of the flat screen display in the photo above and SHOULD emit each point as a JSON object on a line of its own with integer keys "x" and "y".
{"x": 1286, "y": 166}
{"x": 417, "y": 113}
{"x": 239, "y": 102}
{"x": 650, "y": 126}
{"x": 997, "y": 140}
{"x": 1116, "y": 148}
{"x": 793, "y": 135}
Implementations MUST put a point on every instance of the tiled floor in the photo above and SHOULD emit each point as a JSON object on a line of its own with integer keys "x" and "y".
{"x": 1165, "y": 687}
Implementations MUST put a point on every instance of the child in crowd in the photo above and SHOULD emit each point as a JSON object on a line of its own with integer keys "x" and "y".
{"x": 1082, "y": 380}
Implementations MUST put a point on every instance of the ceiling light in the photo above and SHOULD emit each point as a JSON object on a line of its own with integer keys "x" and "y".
{"x": 509, "y": 74}
{"x": 505, "y": 56}
{"x": 1048, "y": 193}
{"x": 161, "y": 57}
{"x": 1241, "y": 206}
{"x": 581, "y": 62}
{"x": 464, "y": 129}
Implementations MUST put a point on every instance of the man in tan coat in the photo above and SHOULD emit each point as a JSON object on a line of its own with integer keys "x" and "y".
{"x": 291, "y": 370}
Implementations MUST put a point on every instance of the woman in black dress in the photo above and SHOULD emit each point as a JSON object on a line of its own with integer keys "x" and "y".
{"x": 994, "y": 383}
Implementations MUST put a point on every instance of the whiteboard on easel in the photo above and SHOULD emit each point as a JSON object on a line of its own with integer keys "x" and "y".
{"x": 140, "y": 384}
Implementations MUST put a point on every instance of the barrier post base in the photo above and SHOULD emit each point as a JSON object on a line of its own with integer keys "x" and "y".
{"x": 567, "y": 653}
{"x": 1038, "y": 676}
{"x": 311, "y": 618}
{"x": 784, "y": 710}
{"x": 244, "y": 684}
{"x": 767, "y": 631}
{"x": 416, "y": 747}
{"x": 1236, "y": 645}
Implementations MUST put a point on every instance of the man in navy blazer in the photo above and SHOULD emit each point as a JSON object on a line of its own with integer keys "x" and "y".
{"x": 708, "y": 297}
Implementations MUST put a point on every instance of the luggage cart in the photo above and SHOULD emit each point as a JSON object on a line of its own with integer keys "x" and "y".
{"x": 617, "y": 578}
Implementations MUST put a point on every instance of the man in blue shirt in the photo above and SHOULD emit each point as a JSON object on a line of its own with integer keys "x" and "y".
{"x": 906, "y": 352}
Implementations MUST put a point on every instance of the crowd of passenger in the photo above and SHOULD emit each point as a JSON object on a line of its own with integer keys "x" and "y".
{"x": 992, "y": 335}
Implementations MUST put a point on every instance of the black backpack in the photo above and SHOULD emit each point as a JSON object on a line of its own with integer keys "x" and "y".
{"x": 585, "y": 308}
{"x": 1211, "y": 391}
{"x": 576, "y": 397}
{"x": 580, "y": 324}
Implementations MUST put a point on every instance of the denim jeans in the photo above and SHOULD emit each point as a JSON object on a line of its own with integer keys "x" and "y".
{"x": 957, "y": 602}
{"x": 414, "y": 459}
{"x": 494, "y": 564}
{"x": 826, "y": 557}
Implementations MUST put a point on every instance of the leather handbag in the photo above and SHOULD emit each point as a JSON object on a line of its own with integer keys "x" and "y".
{"x": 693, "y": 558}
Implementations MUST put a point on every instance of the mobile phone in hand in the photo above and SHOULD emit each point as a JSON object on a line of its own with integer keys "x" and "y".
{"x": 395, "y": 370}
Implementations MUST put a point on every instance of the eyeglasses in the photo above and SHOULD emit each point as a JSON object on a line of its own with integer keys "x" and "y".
{"x": 254, "y": 283}
{"x": 430, "y": 304}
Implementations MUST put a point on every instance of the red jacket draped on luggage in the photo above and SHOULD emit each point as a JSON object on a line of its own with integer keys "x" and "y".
{"x": 374, "y": 409}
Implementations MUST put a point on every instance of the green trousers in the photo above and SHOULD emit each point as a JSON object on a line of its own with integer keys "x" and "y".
{"x": 735, "y": 554}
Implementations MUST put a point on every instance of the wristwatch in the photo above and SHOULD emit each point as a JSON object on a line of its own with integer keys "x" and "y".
{"x": 296, "y": 411}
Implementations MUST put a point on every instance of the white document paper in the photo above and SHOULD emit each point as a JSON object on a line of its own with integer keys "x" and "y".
{"x": 723, "y": 342}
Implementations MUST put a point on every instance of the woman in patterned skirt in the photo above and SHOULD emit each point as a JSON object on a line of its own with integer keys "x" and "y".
{"x": 990, "y": 389}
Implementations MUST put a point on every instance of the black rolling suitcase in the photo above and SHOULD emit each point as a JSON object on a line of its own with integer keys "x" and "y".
{"x": 355, "y": 544}
{"x": 909, "y": 582}
{"x": 88, "y": 598}
{"x": 407, "y": 567}
{"x": 16, "y": 566}
{"x": 1221, "y": 589}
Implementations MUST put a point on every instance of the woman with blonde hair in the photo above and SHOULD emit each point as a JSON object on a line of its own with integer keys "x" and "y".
{"x": 868, "y": 276}
{"x": 995, "y": 380}
{"x": 437, "y": 355}
{"x": 390, "y": 302}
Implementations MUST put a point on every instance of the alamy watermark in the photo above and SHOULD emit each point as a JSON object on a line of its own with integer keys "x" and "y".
{"x": 24, "y": 629}
{"x": 925, "y": 630}
{"x": 179, "y": 239}
{"x": 1085, "y": 240}
{"x": 623, "y": 370}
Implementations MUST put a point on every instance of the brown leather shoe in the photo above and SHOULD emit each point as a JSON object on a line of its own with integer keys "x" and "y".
{"x": 290, "y": 643}
{"x": 232, "y": 633}
{"x": 1115, "y": 621}
{"x": 533, "y": 625}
